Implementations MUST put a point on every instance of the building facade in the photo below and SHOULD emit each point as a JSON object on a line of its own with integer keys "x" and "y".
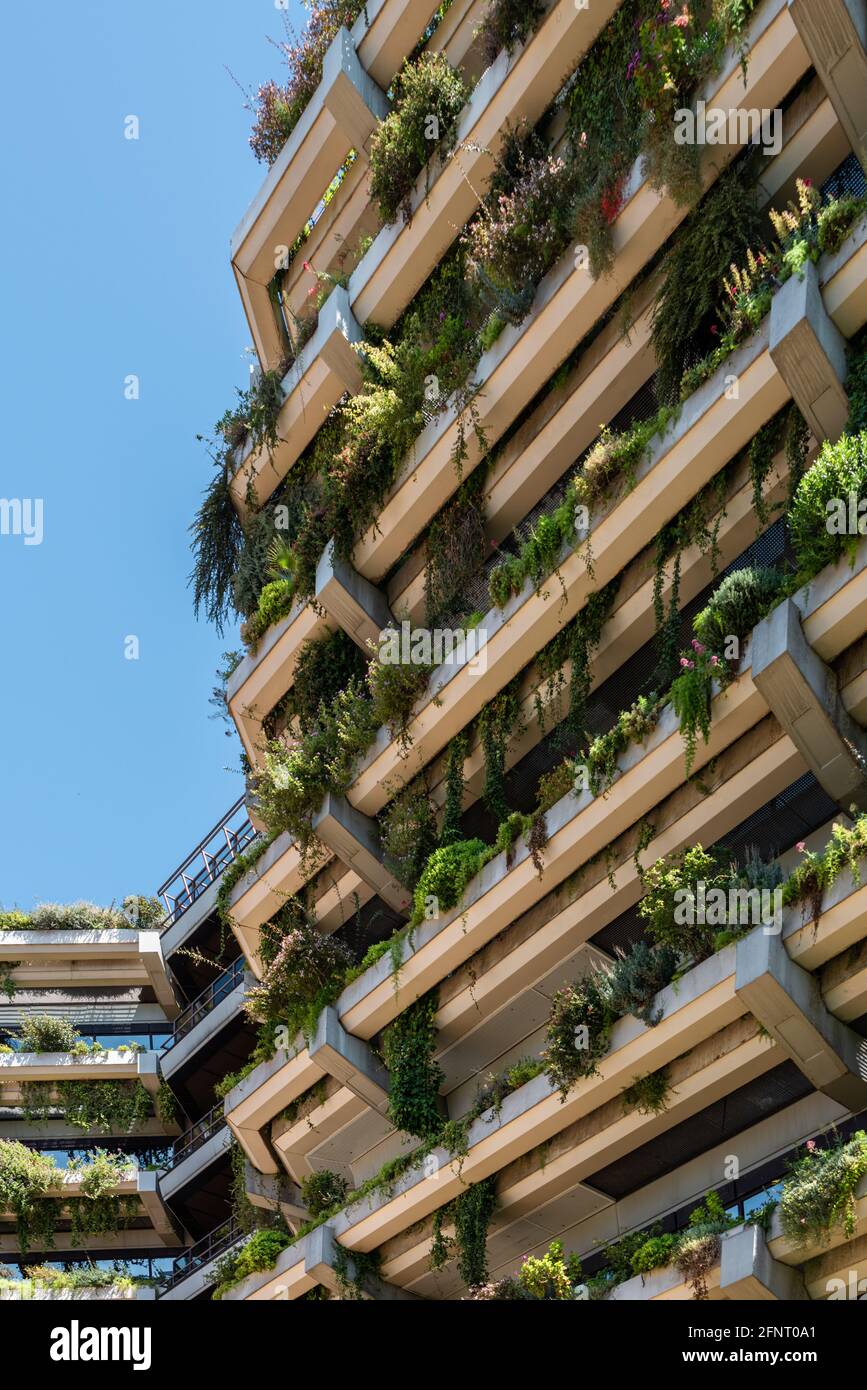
{"x": 533, "y": 962}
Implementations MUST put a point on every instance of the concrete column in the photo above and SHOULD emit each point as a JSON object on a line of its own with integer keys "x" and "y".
{"x": 803, "y": 694}
{"x": 320, "y": 1259}
{"x": 354, "y": 839}
{"x": 809, "y": 352}
{"x": 749, "y": 1272}
{"x": 352, "y": 601}
{"x": 834, "y": 33}
{"x": 787, "y": 1002}
{"x": 350, "y": 1060}
{"x": 275, "y": 1192}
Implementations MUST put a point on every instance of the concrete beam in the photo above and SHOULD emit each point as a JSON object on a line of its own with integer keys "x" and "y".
{"x": 809, "y": 352}
{"x": 834, "y": 33}
{"x": 804, "y": 696}
{"x": 749, "y": 1272}
{"x": 350, "y": 1060}
{"x": 320, "y": 1262}
{"x": 787, "y": 1001}
{"x": 352, "y": 601}
{"x": 275, "y": 1192}
{"x": 354, "y": 839}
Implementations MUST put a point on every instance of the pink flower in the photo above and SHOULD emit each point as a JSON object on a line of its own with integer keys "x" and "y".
{"x": 698, "y": 647}
{"x": 687, "y": 665}
{"x": 308, "y": 266}
{"x": 714, "y": 661}
{"x": 800, "y": 846}
{"x": 808, "y": 183}
{"x": 714, "y": 329}
{"x": 811, "y": 1146}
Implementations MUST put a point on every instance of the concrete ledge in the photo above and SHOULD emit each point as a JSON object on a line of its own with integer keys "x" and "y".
{"x": 787, "y": 1002}
{"x": 748, "y": 1270}
{"x": 340, "y": 116}
{"x": 209, "y": 1025}
{"x": 320, "y": 1263}
{"x": 275, "y": 1192}
{"x": 803, "y": 694}
{"x": 354, "y": 839}
{"x": 191, "y": 1168}
{"x": 349, "y": 1060}
{"x": 809, "y": 352}
{"x": 352, "y": 601}
{"x": 326, "y": 367}
{"x": 834, "y": 33}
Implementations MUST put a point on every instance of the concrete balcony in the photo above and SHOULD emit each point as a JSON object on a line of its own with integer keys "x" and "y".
{"x": 19, "y": 1068}
{"x": 560, "y": 429}
{"x": 746, "y": 1270}
{"x": 341, "y": 115}
{"x": 194, "y": 1271}
{"x": 113, "y": 959}
{"x": 308, "y": 1263}
{"x": 515, "y": 87}
{"x": 568, "y": 302}
{"x": 202, "y": 1021}
{"x": 502, "y": 894}
{"x": 323, "y": 371}
{"x": 195, "y": 1151}
{"x": 154, "y": 1227}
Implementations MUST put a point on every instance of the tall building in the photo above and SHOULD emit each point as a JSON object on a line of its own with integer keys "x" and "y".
{"x": 532, "y": 963}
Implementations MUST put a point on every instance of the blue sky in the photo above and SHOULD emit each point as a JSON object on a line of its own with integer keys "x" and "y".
{"x": 116, "y": 262}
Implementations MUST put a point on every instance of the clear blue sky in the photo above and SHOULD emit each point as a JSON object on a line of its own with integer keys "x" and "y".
{"x": 115, "y": 259}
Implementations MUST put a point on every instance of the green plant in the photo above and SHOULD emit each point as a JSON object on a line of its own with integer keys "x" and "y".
{"x": 258, "y": 1253}
{"x": 740, "y": 601}
{"x": 450, "y": 830}
{"x": 409, "y": 832}
{"x": 26, "y": 1176}
{"x": 637, "y": 976}
{"x": 44, "y": 1033}
{"x": 429, "y": 95}
{"x": 277, "y": 109}
{"x": 685, "y": 316}
{"x": 691, "y": 694}
{"x": 648, "y": 1094}
{"x": 472, "y": 1212}
{"x": 579, "y": 1031}
{"x": 166, "y": 1104}
{"x": 655, "y": 1253}
{"x": 99, "y": 1210}
{"x": 408, "y": 1047}
{"x": 498, "y": 721}
{"x": 507, "y": 23}
{"x": 323, "y": 1190}
{"x": 446, "y": 874}
{"x": 819, "y": 1190}
{"x": 307, "y": 973}
{"x": 818, "y": 517}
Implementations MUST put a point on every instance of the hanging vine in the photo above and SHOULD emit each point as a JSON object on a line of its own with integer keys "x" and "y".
{"x": 498, "y": 721}
{"x": 408, "y": 1047}
{"x": 450, "y": 831}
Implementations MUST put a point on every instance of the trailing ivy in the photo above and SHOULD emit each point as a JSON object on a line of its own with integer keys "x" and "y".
{"x": 408, "y": 1047}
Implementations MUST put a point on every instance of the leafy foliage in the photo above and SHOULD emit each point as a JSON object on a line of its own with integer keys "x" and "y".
{"x": 323, "y": 1190}
{"x": 408, "y": 1046}
{"x": 818, "y": 1193}
{"x": 429, "y": 95}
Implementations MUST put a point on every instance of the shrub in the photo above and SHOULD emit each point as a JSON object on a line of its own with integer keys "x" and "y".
{"x": 260, "y": 1252}
{"x": 655, "y": 1253}
{"x": 409, "y": 832}
{"x": 506, "y": 24}
{"x": 25, "y": 1177}
{"x": 429, "y": 95}
{"x": 637, "y": 977}
{"x": 447, "y": 873}
{"x": 840, "y": 470}
{"x": 579, "y": 1031}
{"x": 307, "y": 973}
{"x": 819, "y": 1190}
{"x": 670, "y": 883}
{"x": 323, "y": 1190}
{"x": 42, "y": 1033}
{"x": 277, "y": 109}
{"x": 741, "y": 600}
{"x": 408, "y": 1047}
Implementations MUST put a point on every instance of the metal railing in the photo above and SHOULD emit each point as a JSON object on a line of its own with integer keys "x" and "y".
{"x": 197, "y": 1135}
{"x": 229, "y": 837}
{"x": 205, "y": 1002}
{"x": 202, "y": 1253}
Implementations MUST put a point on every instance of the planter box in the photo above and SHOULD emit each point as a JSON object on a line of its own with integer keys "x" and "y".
{"x": 117, "y": 958}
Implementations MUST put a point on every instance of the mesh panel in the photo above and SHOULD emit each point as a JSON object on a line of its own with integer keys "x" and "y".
{"x": 714, "y": 1125}
{"x": 775, "y": 827}
{"x": 847, "y": 179}
{"x": 633, "y": 678}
